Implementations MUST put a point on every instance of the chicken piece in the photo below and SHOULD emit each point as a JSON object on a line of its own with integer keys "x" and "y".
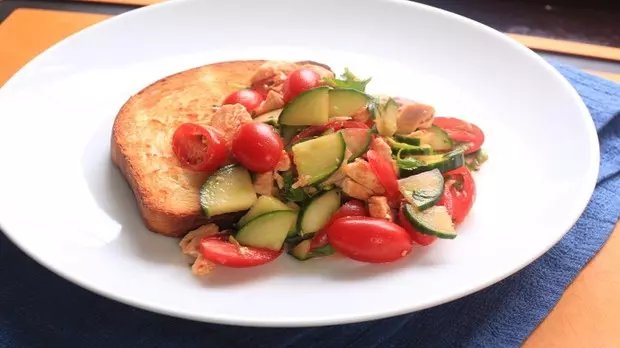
{"x": 284, "y": 163}
{"x": 379, "y": 145}
{"x": 279, "y": 179}
{"x": 202, "y": 266}
{"x": 355, "y": 190}
{"x": 413, "y": 116}
{"x": 190, "y": 243}
{"x": 361, "y": 173}
{"x": 274, "y": 70}
{"x": 228, "y": 119}
{"x": 362, "y": 115}
{"x": 263, "y": 183}
{"x": 323, "y": 73}
{"x": 379, "y": 207}
{"x": 273, "y": 101}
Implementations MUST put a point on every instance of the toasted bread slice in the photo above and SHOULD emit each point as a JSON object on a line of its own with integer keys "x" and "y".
{"x": 166, "y": 193}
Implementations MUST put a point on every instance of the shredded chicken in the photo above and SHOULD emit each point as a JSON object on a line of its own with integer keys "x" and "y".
{"x": 361, "y": 173}
{"x": 202, "y": 266}
{"x": 284, "y": 163}
{"x": 362, "y": 115}
{"x": 355, "y": 190}
{"x": 227, "y": 120}
{"x": 279, "y": 180}
{"x": 190, "y": 243}
{"x": 413, "y": 116}
{"x": 379, "y": 145}
{"x": 274, "y": 70}
{"x": 263, "y": 183}
{"x": 273, "y": 101}
{"x": 323, "y": 73}
{"x": 379, "y": 207}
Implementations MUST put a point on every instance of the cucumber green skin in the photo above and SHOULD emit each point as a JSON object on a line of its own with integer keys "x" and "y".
{"x": 302, "y": 251}
{"x": 437, "y": 132}
{"x": 409, "y": 214}
{"x": 324, "y": 176}
{"x": 304, "y": 209}
{"x": 289, "y": 132}
{"x": 451, "y": 161}
{"x": 432, "y": 201}
{"x": 284, "y": 115}
{"x": 240, "y": 236}
{"x": 204, "y": 187}
{"x": 364, "y": 149}
{"x": 413, "y": 150}
{"x": 407, "y": 140}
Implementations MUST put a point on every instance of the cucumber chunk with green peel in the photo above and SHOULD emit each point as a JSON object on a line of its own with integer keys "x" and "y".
{"x": 289, "y": 132}
{"x": 385, "y": 115}
{"x": 309, "y": 108}
{"x": 346, "y": 101}
{"x": 357, "y": 141}
{"x": 303, "y": 251}
{"x": 422, "y": 190}
{"x": 227, "y": 190}
{"x": 436, "y": 138}
{"x": 403, "y": 149}
{"x": 318, "y": 158}
{"x": 318, "y": 211}
{"x": 418, "y": 164}
{"x": 270, "y": 118}
{"x": 407, "y": 139}
{"x": 435, "y": 221}
{"x": 264, "y": 204}
{"x": 268, "y": 230}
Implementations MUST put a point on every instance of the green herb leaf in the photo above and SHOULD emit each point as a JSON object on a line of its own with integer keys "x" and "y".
{"x": 348, "y": 80}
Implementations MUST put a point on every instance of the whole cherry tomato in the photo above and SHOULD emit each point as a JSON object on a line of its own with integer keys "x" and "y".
{"x": 249, "y": 98}
{"x": 334, "y": 125}
{"x": 368, "y": 239}
{"x": 461, "y": 131}
{"x": 417, "y": 236}
{"x": 298, "y": 81}
{"x": 257, "y": 147}
{"x": 350, "y": 208}
{"x": 198, "y": 148}
{"x": 385, "y": 172}
{"x": 219, "y": 250}
{"x": 462, "y": 192}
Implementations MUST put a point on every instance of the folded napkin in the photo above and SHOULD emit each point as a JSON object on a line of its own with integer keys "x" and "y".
{"x": 39, "y": 309}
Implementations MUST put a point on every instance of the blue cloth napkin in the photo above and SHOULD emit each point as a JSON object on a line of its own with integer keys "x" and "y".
{"x": 39, "y": 309}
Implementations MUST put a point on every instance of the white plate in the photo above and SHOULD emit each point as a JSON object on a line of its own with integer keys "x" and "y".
{"x": 65, "y": 205}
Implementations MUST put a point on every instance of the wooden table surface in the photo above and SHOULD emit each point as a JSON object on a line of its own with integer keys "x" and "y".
{"x": 587, "y": 315}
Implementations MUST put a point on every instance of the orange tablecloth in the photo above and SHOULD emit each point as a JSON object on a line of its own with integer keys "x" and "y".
{"x": 588, "y": 314}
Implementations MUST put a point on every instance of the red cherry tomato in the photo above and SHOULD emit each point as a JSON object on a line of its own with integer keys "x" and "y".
{"x": 417, "y": 236}
{"x": 334, "y": 125}
{"x": 198, "y": 148}
{"x": 368, "y": 239}
{"x": 298, "y": 81}
{"x": 220, "y": 251}
{"x": 461, "y": 131}
{"x": 462, "y": 192}
{"x": 350, "y": 208}
{"x": 385, "y": 172}
{"x": 257, "y": 147}
{"x": 249, "y": 98}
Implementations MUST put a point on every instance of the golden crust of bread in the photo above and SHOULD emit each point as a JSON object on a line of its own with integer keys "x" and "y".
{"x": 166, "y": 193}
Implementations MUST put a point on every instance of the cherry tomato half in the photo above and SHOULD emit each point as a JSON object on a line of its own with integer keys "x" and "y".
{"x": 334, "y": 125}
{"x": 461, "y": 131}
{"x": 417, "y": 236}
{"x": 350, "y": 208}
{"x": 462, "y": 192}
{"x": 368, "y": 239}
{"x": 385, "y": 172}
{"x": 298, "y": 81}
{"x": 257, "y": 147}
{"x": 198, "y": 148}
{"x": 249, "y": 98}
{"x": 220, "y": 251}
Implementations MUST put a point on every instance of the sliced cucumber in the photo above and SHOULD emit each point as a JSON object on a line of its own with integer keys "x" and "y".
{"x": 270, "y": 118}
{"x": 435, "y": 221}
{"x": 385, "y": 115}
{"x": 227, "y": 190}
{"x": 267, "y": 231}
{"x": 443, "y": 162}
{"x": 318, "y": 211}
{"x": 309, "y": 108}
{"x": 436, "y": 138}
{"x": 318, "y": 158}
{"x": 289, "y": 132}
{"x": 357, "y": 141}
{"x": 346, "y": 101}
{"x": 406, "y": 149}
{"x": 302, "y": 251}
{"x": 264, "y": 204}
{"x": 407, "y": 139}
{"x": 422, "y": 190}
